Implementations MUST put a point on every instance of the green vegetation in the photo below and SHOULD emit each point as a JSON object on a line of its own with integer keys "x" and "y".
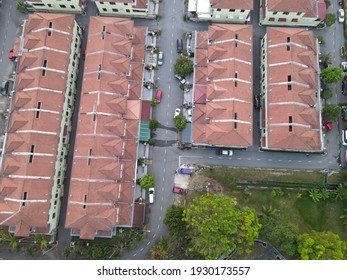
{"x": 330, "y": 112}
{"x": 147, "y": 182}
{"x": 321, "y": 39}
{"x": 183, "y": 67}
{"x": 217, "y": 227}
{"x": 332, "y": 75}
{"x": 321, "y": 246}
{"x": 153, "y": 125}
{"x": 151, "y": 141}
{"x": 21, "y": 7}
{"x": 180, "y": 122}
{"x": 327, "y": 94}
{"x": 173, "y": 220}
{"x": 330, "y": 19}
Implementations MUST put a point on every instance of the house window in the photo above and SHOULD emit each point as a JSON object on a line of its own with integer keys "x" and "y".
{"x": 235, "y": 79}
{"x": 290, "y": 120}
{"x": 294, "y": 20}
{"x": 104, "y": 9}
{"x": 236, "y": 39}
{"x": 62, "y": 6}
{"x": 50, "y": 25}
{"x": 99, "y": 73}
{"x": 218, "y": 10}
{"x": 84, "y": 201}
{"x": 289, "y": 82}
{"x": 38, "y": 110}
{"x": 25, "y": 196}
{"x": 288, "y": 43}
{"x": 31, "y": 154}
{"x": 271, "y": 19}
{"x": 282, "y": 19}
{"x": 242, "y": 11}
{"x": 127, "y": 10}
{"x": 235, "y": 117}
{"x": 72, "y": 6}
{"x": 298, "y": 14}
{"x": 115, "y": 10}
{"x": 274, "y": 13}
{"x": 286, "y": 13}
{"x": 90, "y": 154}
{"x": 103, "y": 32}
{"x": 44, "y": 67}
{"x": 231, "y": 10}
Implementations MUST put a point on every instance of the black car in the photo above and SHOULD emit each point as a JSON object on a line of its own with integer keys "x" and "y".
{"x": 344, "y": 87}
{"x": 4, "y": 88}
{"x": 179, "y": 45}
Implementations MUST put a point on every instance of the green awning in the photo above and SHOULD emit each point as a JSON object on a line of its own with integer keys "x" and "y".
{"x": 144, "y": 131}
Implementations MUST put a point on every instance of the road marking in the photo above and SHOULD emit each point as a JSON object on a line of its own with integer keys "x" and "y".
{"x": 299, "y": 160}
{"x": 162, "y": 198}
{"x": 210, "y": 157}
{"x": 134, "y": 254}
{"x": 164, "y": 162}
{"x": 258, "y": 158}
{"x": 280, "y": 160}
{"x": 162, "y": 189}
{"x": 165, "y": 151}
{"x": 289, "y": 160}
{"x": 161, "y": 208}
{"x": 141, "y": 249}
{"x": 154, "y": 236}
{"x": 164, "y": 167}
{"x": 220, "y": 157}
{"x": 239, "y": 158}
{"x": 158, "y": 226}
{"x": 320, "y": 161}
{"x": 310, "y": 161}
{"x": 160, "y": 218}
{"x": 269, "y": 159}
{"x": 249, "y": 159}
{"x": 149, "y": 242}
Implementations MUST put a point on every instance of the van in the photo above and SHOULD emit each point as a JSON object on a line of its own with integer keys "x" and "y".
{"x": 187, "y": 171}
{"x": 151, "y": 195}
{"x": 179, "y": 45}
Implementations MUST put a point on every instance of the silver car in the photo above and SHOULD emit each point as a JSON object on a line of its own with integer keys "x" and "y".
{"x": 160, "y": 58}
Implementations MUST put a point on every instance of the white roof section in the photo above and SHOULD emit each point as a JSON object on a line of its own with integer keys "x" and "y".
{"x": 200, "y": 7}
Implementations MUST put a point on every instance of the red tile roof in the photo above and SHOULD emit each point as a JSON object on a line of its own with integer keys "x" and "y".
{"x": 296, "y": 62}
{"x": 225, "y": 75}
{"x": 19, "y": 176}
{"x": 102, "y": 182}
{"x": 308, "y": 7}
{"x": 235, "y": 4}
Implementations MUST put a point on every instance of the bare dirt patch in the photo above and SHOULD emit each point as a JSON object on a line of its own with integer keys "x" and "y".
{"x": 199, "y": 182}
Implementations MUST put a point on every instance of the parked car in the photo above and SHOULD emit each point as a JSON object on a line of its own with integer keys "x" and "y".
{"x": 190, "y": 112}
{"x": 160, "y": 58}
{"x": 344, "y": 87}
{"x": 182, "y": 80}
{"x": 151, "y": 192}
{"x": 179, "y": 45}
{"x": 177, "y": 112}
{"x": 178, "y": 190}
{"x": 4, "y": 87}
{"x": 344, "y": 137}
{"x": 158, "y": 95}
{"x": 224, "y": 152}
{"x": 344, "y": 112}
{"x": 328, "y": 125}
{"x": 11, "y": 55}
{"x": 341, "y": 15}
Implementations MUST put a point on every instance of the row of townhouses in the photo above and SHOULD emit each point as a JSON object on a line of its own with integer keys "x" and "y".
{"x": 272, "y": 12}
{"x": 103, "y": 177}
{"x": 290, "y": 118}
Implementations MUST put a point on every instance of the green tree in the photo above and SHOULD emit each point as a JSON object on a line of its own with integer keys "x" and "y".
{"x": 320, "y": 39}
{"x": 183, "y": 67}
{"x": 331, "y": 112}
{"x": 153, "y": 125}
{"x": 327, "y": 94}
{"x": 154, "y": 103}
{"x": 173, "y": 219}
{"x": 332, "y": 75}
{"x": 21, "y": 7}
{"x": 180, "y": 122}
{"x": 159, "y": 251}
{"x": 321, "y": 246}
{"x": 279, "y": 232}
{"x": 315, "y": 194}
{"x": 40, "y": 239}
{"x": 147, "y": 182}
{"x": 325, "y": 59}
{"x": 217, "y": 227}
{"x": 330, "y": 19}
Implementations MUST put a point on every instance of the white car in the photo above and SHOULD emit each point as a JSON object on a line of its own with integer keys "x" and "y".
{"x": 341, "y": 15}
{"x": 182, "y": 80}
{"x": 160, "y": 58}
{"x": 151, "y": 195}
{"x": 177, "y": 112}
{"x": 344, "y": 137}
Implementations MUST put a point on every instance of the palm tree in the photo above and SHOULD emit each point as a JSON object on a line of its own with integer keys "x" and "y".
{"x": 325, "y": 194}
{"x": 42, "y": 241}
{"x": 269, "y": 211}
{"x": 12, "y": 240}
{"x": 315, "y": 195}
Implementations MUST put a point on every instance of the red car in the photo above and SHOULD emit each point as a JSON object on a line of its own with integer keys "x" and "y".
{"x": 10, "y": 55}
{"x": 178, "y": 190}
{"x": 158, "y": 95}
{"x": 328, "y": 125}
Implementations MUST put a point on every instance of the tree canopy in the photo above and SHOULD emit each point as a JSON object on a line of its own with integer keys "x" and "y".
{"x": 330, "y": 19}
{"x": 321, "y": 246}
{"x": 180, "y": 122}
{"x": 173, "y": 220}
{"x": 147, "y": 182}
{"x": 217, "y": 227}
{"x": 183, "y": 67}
{"x": 331, "y": 111}
{"x": 332, "y": 75}
{"x": 279, "y": 232}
